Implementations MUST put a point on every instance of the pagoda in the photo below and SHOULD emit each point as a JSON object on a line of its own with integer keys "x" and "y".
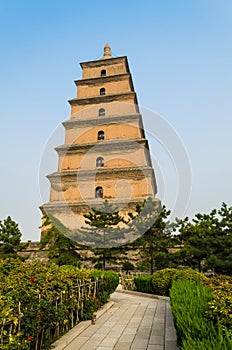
{"x": 105, "y": 155}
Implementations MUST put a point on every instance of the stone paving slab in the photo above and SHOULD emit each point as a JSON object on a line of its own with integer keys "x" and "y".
{"x": 133, "y": 322}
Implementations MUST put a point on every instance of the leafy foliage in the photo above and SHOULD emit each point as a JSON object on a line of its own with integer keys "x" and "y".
{"x": 143, "y": 283}
{"x": 189, "y": 303}
{"x": 61, "y": 249}
{"x": 105, "y": 217}
{"x": 103, "y": 230}
{"x": 109, "y": 283}
{"x": 207, "y": 240}
{"x": 156, "y": 240}
{"x": 221, "y": 304}
{"x": 162, "y": 280}
{"x": 128, "y": 266}
{"x": 10, "y": 236}
{"x": 39, "y": 302}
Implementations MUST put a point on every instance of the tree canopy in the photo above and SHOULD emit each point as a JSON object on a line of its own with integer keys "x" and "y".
{"x": 10, "y": 236}
{"x": 154, "y": 243}
{"x": 104, "y": 230}
{"x": 207, "y": 240}
{"x": 61, "y": 249}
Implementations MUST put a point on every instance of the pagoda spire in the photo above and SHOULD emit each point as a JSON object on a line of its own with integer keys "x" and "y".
{"x": 107, "y": 52}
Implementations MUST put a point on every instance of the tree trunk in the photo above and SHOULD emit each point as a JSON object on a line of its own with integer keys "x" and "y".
{"x": 152, "y": 266}
{"x": 199, "y": 265}
{"x": 104, "y": 260}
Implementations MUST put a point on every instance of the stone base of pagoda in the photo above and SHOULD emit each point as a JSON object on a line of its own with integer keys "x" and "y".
{"x": 70, "y": 214}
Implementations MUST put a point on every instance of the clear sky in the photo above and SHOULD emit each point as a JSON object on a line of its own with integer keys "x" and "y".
{"x": 180, "y": 56}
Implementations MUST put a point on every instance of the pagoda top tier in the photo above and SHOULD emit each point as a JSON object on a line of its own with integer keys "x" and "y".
{"x": 106, "y": 60}
{"x": 107, "y": 52}
{"x": 107, "y": 66}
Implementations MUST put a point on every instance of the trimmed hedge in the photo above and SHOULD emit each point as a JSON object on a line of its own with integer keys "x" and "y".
{"x": 162, "y": 280}
{"x": 189, "y": 303}
{"x": 109, "y": 282}
{"x": 143, "y": 283}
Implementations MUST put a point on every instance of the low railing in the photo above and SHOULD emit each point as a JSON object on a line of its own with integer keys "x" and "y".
{"x": 43, "y": 322}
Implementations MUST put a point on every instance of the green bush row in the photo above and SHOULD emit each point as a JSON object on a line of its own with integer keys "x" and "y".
{"x": 143, "y": 283}
{"x": 189, "y": 304}
{"x": 109, "y": 282}
{"x": 161, "y": 281}
{"x": 39, "y": 303}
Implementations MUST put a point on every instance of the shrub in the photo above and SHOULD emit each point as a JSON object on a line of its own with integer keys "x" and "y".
{"x": 220, "y": 308}
{"x": 143, "y": 283}
{"x": 162, "y": 279}
{"x": 38, "y": 303}
{"x": 189, "y": 303}
{"x": 108, "y": 282}
{"x": 128, "y": 266}
{"x": 190, "y": 274}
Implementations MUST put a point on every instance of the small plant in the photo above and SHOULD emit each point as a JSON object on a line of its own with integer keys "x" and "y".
{"x": 220, "y": 308}
{"x": 189, "y": 304}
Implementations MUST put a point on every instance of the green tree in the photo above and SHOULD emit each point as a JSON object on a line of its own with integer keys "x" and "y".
{"x": 156, "y": 240}
{"x": 103, "y": 229}
{"x": 10, "y": 237}
{"x": 128, "y": 266}
{"x": 207, "y": 240}
{"x": 61, "y": 249}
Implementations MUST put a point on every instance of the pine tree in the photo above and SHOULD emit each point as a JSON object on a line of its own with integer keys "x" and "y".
{"x": 156, "y": 240}
{"x": 207, "y": 240}
{"x": 61, "y": 248}
{"x": 10, "y": 236}
{"x": 103, "y": 231}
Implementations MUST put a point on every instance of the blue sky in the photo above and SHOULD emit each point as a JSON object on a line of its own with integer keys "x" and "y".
{"x": 180, "y": 58}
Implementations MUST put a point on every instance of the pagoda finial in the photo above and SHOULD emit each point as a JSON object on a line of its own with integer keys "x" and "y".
{"x": 107, "y": 52}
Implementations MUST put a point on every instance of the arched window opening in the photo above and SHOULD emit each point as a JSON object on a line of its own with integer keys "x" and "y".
{"x": 102, "y": 91}
{"x": 100, "y": 135}
{"x": 99, "y": 162}
{"x": 99, "y": 192}
{"x": 103, "y": 73}
{"x": 101, "y": 112}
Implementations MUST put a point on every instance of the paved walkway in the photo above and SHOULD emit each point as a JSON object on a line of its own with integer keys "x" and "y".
{"x": 133, "y": 322}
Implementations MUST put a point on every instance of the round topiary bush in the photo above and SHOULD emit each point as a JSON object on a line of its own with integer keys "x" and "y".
{"x": 162, "y": 281}
{"x": 190, "y": 274}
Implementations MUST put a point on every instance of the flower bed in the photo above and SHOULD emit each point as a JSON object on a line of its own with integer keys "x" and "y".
{"x": 39, "y": 303}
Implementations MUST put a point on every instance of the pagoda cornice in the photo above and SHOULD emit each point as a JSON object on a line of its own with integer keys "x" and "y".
{"x": 105, "y": 172}
{"x": 103, "y": 80}
{"x": 105, "y": 62}
{"x": 98, "y": 146}
{"x": 80, "y": 207}
{"x": 103, "y": 98}
{"x": 114, "y": 119}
